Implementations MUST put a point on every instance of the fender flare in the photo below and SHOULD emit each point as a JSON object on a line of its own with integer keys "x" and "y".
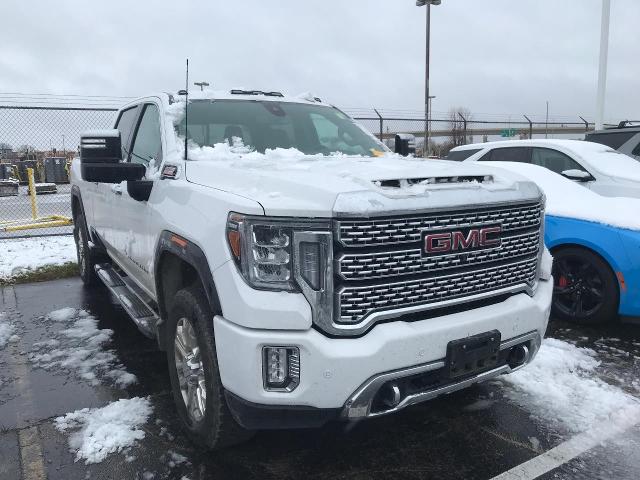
{"x": 191, "y": 254}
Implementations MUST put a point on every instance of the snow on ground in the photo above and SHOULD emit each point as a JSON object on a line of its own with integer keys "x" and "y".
{"x": 98, "y": 432}
{"x": 24, "y": 254}
{"x": 7, "y": 331}
{"x": 561, "y": 386}
{"x": 79, "y": 349}
{"x": 566, "y": 198}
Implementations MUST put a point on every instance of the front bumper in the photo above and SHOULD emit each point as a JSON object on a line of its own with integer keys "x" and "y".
{"x": 334, "y": 370}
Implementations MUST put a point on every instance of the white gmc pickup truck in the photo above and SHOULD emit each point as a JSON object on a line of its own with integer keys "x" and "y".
{"x": 295, "y": 270}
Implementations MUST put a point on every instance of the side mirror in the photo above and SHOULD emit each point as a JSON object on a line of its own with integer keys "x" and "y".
{"x": 405, "y": 144}
{"x": 101, "y": 159}
{"x": 577, "y": 175}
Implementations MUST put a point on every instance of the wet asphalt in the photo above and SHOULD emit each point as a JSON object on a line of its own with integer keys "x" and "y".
{"x": 443, "y": 439}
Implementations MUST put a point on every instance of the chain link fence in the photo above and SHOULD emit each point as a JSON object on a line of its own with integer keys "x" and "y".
{"x": 445, "y": 134}
{"x": 44, "y": 139}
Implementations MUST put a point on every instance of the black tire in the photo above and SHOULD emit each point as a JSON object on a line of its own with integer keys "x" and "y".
{"x": 216, "y": 428}
{"x": 86, "y": 258}
{"x": 585, "y": 288}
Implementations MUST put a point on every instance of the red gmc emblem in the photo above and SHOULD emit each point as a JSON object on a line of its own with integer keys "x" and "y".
{"x": 461, "y": 240}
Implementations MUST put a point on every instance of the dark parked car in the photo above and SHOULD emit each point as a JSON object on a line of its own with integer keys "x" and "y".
{"x": 625, "y": 138}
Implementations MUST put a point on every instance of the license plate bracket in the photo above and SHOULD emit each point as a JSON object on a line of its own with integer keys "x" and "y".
{"x": 471, "y": 355}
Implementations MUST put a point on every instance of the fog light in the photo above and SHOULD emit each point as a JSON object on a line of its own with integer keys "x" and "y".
{"x": 281, "y": 368}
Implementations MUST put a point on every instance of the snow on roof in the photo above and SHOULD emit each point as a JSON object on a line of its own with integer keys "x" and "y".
{"x": 566, "y": 198}
{"x": 265, "y": 97}
{"x": 578, "y": 146}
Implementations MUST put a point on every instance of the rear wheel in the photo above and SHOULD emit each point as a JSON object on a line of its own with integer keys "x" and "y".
{"x": 195, "y": 379}
{"x": 86, "y": 260}
{"x": 585, "y": 288}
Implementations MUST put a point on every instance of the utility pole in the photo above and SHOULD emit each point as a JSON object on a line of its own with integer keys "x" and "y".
{"x": 431, "y": 97}
{"x": 546, "y": 127}
{"x": 201, "y": 85}
{"x": 427, "y": 3}
{"x": 602, "y": 71}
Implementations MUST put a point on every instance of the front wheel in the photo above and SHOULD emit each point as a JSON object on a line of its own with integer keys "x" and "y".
{"x": 195, "y": 379}
{"x": 585, "y": 288}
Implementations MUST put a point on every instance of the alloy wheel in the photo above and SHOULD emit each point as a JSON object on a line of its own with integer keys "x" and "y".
{"x": 579, "y": 287}
{"x": 190, "y": 370}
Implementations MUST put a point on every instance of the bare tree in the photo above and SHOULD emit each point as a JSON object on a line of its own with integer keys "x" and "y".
{"x": 25, "y": 148}
{"x": 457, "y": 118}
{"x": 458, "y": 134}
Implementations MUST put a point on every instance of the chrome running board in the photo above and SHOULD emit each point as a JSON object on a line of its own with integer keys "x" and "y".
{"x": 131, "y": 301}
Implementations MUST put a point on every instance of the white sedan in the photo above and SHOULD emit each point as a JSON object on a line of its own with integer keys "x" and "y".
{"x": 597, "y": 167}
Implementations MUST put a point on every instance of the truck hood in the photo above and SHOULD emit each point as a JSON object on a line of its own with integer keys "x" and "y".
{"x": 359, "y": 186}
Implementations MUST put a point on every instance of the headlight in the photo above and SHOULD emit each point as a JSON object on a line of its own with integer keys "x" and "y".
{"x": 277, "y": 254}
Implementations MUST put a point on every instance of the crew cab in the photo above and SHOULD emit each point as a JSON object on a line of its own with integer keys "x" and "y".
{"x": 295, "y": 270}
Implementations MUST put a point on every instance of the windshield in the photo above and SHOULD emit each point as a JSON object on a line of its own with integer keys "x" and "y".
{"x": 261, "y": 125}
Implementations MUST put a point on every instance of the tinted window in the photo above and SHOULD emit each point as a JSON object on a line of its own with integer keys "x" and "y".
{"x": 636, "y": 151}
{"x": 553, "y": 160}
{"x": 511, "y": 154}
{"x": 126, "y": 123}
{"x": 265, "y": 125}
{"x": 461, "y": 155}
{"x": 614, "y": 139}
{"x": 148, "y": 144}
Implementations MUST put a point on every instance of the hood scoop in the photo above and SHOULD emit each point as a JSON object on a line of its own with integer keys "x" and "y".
{"x": 410, "y": 182}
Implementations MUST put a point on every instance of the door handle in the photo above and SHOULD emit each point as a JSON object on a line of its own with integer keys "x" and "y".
{"x": 117, "y": 189}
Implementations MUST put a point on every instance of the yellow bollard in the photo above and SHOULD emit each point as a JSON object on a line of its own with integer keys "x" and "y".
{"x": 32, "y": 194}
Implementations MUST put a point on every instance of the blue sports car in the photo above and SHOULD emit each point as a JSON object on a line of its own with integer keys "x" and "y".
{"x": 596, "y": 270}
{"x": 595, "y": 242}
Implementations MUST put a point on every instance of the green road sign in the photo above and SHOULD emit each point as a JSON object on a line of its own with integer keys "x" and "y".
{"x": 508, "y": 132}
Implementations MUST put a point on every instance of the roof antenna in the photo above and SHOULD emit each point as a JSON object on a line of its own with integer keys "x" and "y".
{"x": 186, "y": 112}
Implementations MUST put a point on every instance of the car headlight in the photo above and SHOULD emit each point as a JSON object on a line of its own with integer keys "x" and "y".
{"x": 280, "y": 254}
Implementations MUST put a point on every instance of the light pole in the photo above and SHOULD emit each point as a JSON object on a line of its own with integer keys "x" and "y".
{"x": 431, "y": 97}
{"x": 427, "y": 3}
{"x": 602, "y": 72}
{"x": 201, "y": 85}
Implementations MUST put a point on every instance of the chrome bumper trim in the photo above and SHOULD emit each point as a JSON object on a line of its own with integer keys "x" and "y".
{"x": 359, "y": 404}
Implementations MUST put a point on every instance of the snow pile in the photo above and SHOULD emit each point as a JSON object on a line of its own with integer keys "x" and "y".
{"x": 78, "y": 349}
{"x": 7, "y": 331}
{"x": 24, "y": 254}
{"x": 98, "y": 432}
{"x": 561, "y": 386}
{"x": 63, "y": 314}
{"x": 566, "y": 198}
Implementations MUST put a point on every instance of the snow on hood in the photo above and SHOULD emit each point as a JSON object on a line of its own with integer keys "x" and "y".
{"x": 288, "y": 182}
{"x": 613, "y": 164}
{"x": 566, "y": 198}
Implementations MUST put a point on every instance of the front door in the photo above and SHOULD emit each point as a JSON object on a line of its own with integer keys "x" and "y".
{"x": 133, "y": 243}
{"x": 105, "y": 193}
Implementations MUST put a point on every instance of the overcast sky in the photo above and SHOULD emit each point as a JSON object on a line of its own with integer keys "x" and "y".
{"x": 490, "y": 56}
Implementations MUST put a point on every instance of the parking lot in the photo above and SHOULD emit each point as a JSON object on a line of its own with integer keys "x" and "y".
{"x": 18, "y": 208}
{"x": 479, "y": 433}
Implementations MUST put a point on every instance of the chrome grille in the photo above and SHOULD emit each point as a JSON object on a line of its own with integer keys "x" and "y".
{"x": 380, "y": 266}
{"x": 409, "y": 229}
{"x": 407, "y": 262}
{"x": 357, "y": 302}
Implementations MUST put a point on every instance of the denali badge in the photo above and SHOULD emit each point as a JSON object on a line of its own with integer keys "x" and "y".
{"x": 469, "y": 239}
